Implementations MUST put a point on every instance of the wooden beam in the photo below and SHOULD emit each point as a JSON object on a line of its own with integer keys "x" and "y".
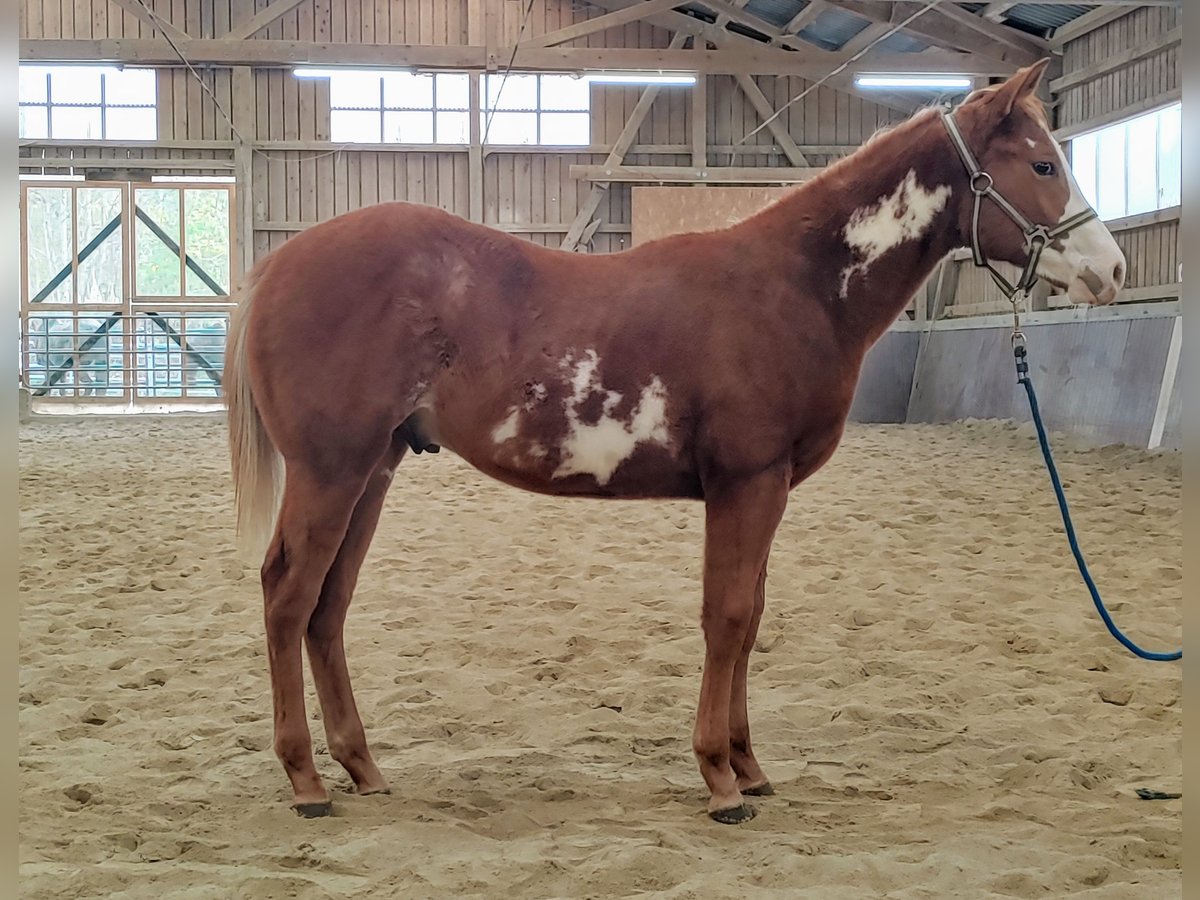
{"x": 733, "y": 13}
{"x": 805, "y": 16}
{"x": 587, "y": 209}
{"x": 160, "y": 22}
{"x": 262, "y": 53}
{"x": 601, "y": 23}
{"x": 475, "y": 150}
{"x": 995, "y": 10}
{"x": 676, "y": 21}
{"x": 700, "y": 120}
{"x": 257, "y": 23}
{"x": 1025, "y": 43}
{"x": 763, "y": 107}
{"x": 246, "y": 125}
{"x": 1089, "y": 21}
{"x": 73, "y": 162}
{"x": 688, "y": 175}
{"x": 1117, "y": 61}
{"x": 946, "y": 31}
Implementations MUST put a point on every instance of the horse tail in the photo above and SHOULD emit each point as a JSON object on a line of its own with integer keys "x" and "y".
{"x": 256, "y": 464}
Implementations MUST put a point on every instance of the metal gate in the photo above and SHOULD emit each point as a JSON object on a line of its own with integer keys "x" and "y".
{"x": 125, "y": 294}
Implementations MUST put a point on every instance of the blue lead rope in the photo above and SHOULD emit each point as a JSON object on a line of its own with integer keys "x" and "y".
{"x": 1023, "y": 378}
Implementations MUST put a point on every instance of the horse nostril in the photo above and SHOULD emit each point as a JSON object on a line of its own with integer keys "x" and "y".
{"x": 1119, "y": 273}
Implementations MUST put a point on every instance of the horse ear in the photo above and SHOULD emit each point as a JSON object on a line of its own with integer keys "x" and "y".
{"x": 1023, "y": 83}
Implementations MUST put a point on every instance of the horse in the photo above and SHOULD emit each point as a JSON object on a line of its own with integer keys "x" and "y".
{"x": 717, "y": 367}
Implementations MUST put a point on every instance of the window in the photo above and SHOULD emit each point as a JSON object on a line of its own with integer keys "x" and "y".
{"x": 537, "y": 109}
{"x": 398, "y": 107}
{"x": 1132, "y": 167}
{"x": 88, "y": 103}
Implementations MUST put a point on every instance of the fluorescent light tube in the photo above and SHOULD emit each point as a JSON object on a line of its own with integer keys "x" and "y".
{"x": 928, "y": 82}
{"x": 637, "y": 78}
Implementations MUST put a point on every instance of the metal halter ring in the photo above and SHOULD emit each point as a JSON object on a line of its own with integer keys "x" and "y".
{"x": 975, "y": 179}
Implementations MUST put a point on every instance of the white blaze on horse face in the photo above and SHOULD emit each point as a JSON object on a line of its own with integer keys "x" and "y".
{"x": 597, "y": 448}
{"x": 1090, "y": 263}
{"x": 894, "y": 218}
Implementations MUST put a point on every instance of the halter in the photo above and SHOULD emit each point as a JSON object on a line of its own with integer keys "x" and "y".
{"x": 1036, "y": 236}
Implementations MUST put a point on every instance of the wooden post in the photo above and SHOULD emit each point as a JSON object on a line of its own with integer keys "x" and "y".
{"x": 245, "y": 125}
{"x": 475, "y": 151}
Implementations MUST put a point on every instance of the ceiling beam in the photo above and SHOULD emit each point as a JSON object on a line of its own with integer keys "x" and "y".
{"x": 766, "y": 111}
{"x": 995, "y": 10}
{"x": 746, "y": 57}
{"x": 1011, "y": 37}
{"x": 676, "y": 21}
{"x": 600, "y": 23}
{"x": 689, "y": 175}
{"x": 947, "y": 32}
{"x": 805, "y": 16}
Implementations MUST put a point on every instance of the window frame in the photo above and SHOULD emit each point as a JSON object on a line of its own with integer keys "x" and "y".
{"x": 383, "y": 109}
{"x": 1094, "y": 135}
{"x": 538, "y": 110}
{"x": 103, "y": 105}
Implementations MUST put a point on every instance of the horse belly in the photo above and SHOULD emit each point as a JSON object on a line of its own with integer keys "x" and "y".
{"x": 538, "y": 450}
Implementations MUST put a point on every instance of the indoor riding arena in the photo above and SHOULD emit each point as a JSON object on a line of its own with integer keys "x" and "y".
{"x": 673, "y": 369}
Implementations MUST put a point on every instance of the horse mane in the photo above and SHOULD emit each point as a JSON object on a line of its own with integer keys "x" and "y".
{"x": 1030, "y": 104}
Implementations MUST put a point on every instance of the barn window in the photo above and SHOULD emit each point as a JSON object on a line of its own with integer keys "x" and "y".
{"x": 87, "y": 103}
{"x": 1132, "y": 167}
{"x": 397, "y": 107}
{"x": 551, "y": 110}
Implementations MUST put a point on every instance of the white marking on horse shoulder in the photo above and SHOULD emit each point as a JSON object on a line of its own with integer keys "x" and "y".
{"x": 903, "y": 215}
{"x": 507, "y": 430}
{"x": 597, "y": 448}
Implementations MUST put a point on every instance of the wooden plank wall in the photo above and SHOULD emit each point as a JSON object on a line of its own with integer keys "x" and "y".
{"x": 1132, "y": 86}
{"x": 528, "y": 192}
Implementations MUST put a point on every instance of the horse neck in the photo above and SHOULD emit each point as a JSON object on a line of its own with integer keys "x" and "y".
{"x": 865, "y": 234}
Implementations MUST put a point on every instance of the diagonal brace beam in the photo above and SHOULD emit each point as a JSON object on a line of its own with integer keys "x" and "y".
{"x": 257, "y": 23}
{"x": 601, "y": 23}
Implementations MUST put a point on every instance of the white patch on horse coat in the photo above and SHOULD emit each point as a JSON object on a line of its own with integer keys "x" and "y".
{"x": 597, "y": 449}
{"x": 1032, "y": 143}
{"x": 507, "y": 430}
{"x": 903, "y": 215}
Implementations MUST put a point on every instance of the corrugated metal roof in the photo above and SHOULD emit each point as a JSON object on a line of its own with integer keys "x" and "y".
{"x": 1040, "y": 18}
{"x": 777, "y": 12}
{"x": 832, "y": 28}
{"x": 900, "y": 42}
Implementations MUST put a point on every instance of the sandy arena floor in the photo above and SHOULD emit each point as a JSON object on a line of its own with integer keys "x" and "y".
{"x": 933, "y": 696}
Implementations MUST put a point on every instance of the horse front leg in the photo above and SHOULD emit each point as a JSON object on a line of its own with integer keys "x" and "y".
{"x": 751, "y": 779}
{"x": 741, "y": 519}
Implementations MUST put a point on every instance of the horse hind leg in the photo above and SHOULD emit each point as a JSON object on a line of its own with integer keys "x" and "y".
{"x": 313, "y": 521}
{"x": 344, "y": 731}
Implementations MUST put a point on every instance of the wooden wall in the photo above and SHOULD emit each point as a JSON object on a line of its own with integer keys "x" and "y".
{"x": 1127, "y": 66}
{"x": 298, "y": 177}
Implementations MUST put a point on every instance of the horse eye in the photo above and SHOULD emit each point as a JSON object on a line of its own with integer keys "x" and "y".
{"x": 1044, "y": 168}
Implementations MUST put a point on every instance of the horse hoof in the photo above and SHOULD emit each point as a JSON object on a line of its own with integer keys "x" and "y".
{"x": 735, "y": 816}
{"x": 369, "y": 791}
{"x": 314, "y": 810}
{"x": 762, "y": 790}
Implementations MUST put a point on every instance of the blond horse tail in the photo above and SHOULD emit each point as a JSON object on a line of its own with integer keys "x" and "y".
{"x": 256, "y": 464}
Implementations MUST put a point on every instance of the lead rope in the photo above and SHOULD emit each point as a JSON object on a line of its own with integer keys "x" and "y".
{"x": 1021, "y": 356}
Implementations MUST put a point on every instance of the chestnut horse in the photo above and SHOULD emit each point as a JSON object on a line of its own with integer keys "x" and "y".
{"x": 718, "y": 367}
